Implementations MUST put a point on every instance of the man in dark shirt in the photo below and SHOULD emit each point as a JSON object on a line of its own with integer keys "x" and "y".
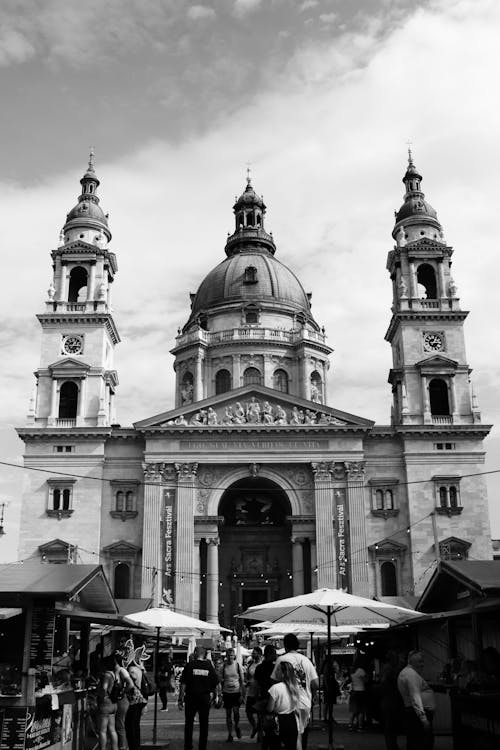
{"x": 198, "y": 685}
{"x": 262, "y": 676}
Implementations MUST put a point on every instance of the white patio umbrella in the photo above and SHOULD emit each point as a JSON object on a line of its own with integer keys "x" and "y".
{"x": 330, "y": 607}
{"x": 173, "y": 623}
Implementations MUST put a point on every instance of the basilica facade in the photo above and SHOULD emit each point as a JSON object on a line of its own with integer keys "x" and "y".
{"x": 251, "y": 486}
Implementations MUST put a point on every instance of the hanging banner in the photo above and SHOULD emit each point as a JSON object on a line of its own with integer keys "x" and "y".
{"x": 341, "y": 539}
{"x": 168, "y": 551}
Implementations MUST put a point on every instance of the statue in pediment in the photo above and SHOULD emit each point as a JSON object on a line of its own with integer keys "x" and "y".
{"x": 228, "y": 417}
{"x": 239, "y": 414}
{"x": 267, "y": 413}
{"x": 253, "y": 411}
{"x": 310, "y": 417}
{"x": 211, "y": 416}
{"x": 281, "y": 417}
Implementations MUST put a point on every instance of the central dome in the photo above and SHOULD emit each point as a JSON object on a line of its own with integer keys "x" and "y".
{"x": 251, "y": 276}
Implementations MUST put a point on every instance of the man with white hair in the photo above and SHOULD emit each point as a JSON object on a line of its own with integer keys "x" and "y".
{"x": 419, "y": 703}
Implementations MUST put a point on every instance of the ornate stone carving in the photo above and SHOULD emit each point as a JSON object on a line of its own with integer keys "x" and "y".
{"x": 186, "y": 470}
{"x": 355, "y": 471}
{"x": 202, "y": 502}
{"x": 254, "y": 412}
{"x": 209, "y": 476}
{"x": 322, "y": 471}
{"x": 158, "y": 472}
{"x": 338, "y": 471}
{"x": 254, "y": 469}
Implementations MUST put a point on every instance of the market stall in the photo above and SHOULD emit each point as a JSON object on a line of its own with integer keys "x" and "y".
{"x": 45, "y": 616}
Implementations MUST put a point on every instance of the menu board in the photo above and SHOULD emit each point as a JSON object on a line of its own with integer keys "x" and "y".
{"x": 42, "y": 639}
{"x": 13, "y": 728}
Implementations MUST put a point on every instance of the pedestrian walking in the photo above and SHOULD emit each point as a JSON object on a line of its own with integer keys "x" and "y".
{"x": 233, "y": 693}
{"x": 357, "y": 698}
{"x": 165, "y": 681}
{"x": 307, "y": 678}
{"x": 419, "y": 703}
{"x": 123, "y": 684}
{"x": 106, "y": 705}
{"x": 198, "y": 688}
{"x": 268, "y": 736}
{"x": 285, "y": 700}
{"x": 252, "y": 690}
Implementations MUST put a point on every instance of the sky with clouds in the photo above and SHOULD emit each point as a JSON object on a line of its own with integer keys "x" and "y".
{"x": 321, "y": 97}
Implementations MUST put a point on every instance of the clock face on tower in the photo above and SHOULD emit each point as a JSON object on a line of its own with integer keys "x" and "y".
{"x": 72, "y": 345}
{"x": 433, "y": 342}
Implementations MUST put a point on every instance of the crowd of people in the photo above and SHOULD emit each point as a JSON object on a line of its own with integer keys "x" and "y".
{"x": 276, "y": 694}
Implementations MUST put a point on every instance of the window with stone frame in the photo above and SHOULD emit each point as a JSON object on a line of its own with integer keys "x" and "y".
{"x": 60, "y": 497}
{"x": 124, "y": 498}
{"x": 387, "y": 556}
{"x": 454, "y": 548}
{"x": 384, "y": 497}
{"x": 447, "y": 494}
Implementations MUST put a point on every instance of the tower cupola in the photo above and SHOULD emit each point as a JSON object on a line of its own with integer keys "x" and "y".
{"x": 87, "y": 220}
{"x": 249, "y": 234}
{"x": 416, "y": 218}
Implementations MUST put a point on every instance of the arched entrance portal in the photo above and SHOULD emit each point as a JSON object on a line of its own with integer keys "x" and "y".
{"x": 255, "y": 561}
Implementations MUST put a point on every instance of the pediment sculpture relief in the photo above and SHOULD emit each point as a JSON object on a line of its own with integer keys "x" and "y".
{"x": 255, "y": 412}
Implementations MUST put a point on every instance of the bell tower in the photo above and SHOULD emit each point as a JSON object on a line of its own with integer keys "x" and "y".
{"x": 75, "y": 381}
{"x": 430, "y": 376}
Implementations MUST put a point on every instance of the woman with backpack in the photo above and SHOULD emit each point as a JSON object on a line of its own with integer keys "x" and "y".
{"x": 233, "y": 693}
{"x": 136, "y": 698}
{"x": 107, "y": 704}
{"x": 285, "y": 703}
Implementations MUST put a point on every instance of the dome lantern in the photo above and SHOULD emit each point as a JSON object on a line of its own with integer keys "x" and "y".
{"x": 249, "y": 212}
{"x": 87, "y": 220}
{"x": 416, "y": 217}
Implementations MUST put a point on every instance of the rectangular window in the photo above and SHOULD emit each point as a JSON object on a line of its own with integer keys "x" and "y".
{"x": 64, "y": 448}
{"x": 444, "y": 446}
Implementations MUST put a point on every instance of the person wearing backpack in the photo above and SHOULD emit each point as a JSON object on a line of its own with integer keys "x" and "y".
{"x": 136, "y": 698}
{"x": 233, "y": 693}
{"x": 107, "y": 704}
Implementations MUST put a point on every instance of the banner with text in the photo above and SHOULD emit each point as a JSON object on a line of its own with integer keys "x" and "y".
{"x": 168, "y": 551}
{"x": 341, "y": 538}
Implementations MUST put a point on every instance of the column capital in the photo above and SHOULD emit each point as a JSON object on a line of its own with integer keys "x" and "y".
{"x": 322, "y": 471}
{"x": 213, "y": 540}
{"x": 158, "y": 472}
{"x": 355, "y": 471}
{"x": 298, "y": 539}
{"x": 186, "y": 471}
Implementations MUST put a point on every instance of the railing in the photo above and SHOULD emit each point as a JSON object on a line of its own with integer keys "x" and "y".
{"x": 446, "y": 419}
{"x": 65, "y": 422}
{"x": 247, "y": 333}
{"x": 73, "y": 307}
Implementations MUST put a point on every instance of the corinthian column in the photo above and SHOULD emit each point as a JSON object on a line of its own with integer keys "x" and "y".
{"x": 358, "y": 556}
{"x": 151, "y": 534}
{"x": 323, "y": 502}
{"x": 298, "y": 565}
{"x": 213, "y": 580}
{"x": 184, "y": 558}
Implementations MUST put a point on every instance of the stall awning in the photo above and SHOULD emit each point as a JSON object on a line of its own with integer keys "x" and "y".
{"x": 7, "y": 612}
{"x": 83, "y": 584}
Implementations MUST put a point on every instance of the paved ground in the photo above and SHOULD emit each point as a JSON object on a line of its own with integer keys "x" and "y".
{"x": 171, "y": 727}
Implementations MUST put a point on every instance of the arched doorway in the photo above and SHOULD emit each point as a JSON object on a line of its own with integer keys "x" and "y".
{"x": 255, "y": 561}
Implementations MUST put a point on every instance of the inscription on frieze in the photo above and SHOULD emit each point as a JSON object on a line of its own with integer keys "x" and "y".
{"x": 245, "y": 445}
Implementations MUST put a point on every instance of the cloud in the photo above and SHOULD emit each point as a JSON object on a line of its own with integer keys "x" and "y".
{"x": 242, "y": 8}
{"x": 307, "y": 5}
{"x": 14, "y": 48}
{"x": 328, "y": 18}
{"x": 200, "y": 12}
{"x": 327, "y": 138}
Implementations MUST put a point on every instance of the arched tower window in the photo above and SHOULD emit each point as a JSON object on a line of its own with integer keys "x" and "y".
{"x": 388, "y": 579}
{"x": 77, "y": 285}
{"x": 438, "y": 397}
{"x": 252, "y": 376}
{"x": 389, "y": 500}
{"x": 222, "y": 381}
{"x": 280, "y": 381}
{"x": 187, "y": 388}
{"x": 379, "y": 500}
{"x": 122, "y": 581}
{"x": 68, "y": 400}
{"x": 443, "y": 498}
{"x": 250, "y": 219}
{"x": 426, "y": 278}
{"x": 316, "y": 387}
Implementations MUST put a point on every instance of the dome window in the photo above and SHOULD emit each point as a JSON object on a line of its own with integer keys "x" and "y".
{"x": 222, "y": 381}
{"x": 252, "y": 376}
{"x": 250, "y": 275}
{"x": 280, "y": 381}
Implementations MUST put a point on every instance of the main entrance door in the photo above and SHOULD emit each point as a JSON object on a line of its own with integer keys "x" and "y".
{"x": 255, "y": 564}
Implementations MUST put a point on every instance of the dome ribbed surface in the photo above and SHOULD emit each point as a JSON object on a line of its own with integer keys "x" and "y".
{"x": 226, "y": 283}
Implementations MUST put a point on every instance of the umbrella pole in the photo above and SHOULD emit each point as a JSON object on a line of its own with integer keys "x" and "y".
{"x": 328, "y": 677}
{"x": 155, "y": 673}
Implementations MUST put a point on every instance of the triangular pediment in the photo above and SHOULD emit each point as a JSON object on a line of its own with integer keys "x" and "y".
{"x": 56, "y": 545}
{"x": 437, "y": 362}
{"x": 69, "y": 363}
{"x": 254, "y": 406}
{"x": 388, "y": 546}
{"x": 121, "y": 548}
